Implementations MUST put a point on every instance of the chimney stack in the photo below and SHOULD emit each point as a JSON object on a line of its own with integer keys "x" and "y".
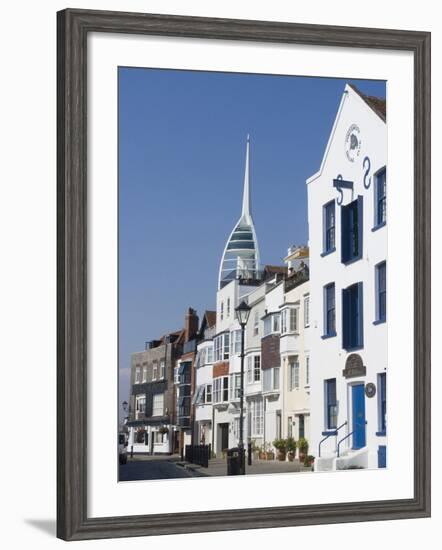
{"x": 191, "y": 324}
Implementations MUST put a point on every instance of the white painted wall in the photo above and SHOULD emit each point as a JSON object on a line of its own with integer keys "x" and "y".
{"x": 327, "y": 356}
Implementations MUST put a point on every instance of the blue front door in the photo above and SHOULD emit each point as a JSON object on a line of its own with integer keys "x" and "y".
{"x": 358, "y": 415}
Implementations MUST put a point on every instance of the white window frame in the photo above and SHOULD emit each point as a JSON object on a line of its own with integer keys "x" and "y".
{"x": 307, "y": 310}
{"x": 257, "y": 417}
{"x": 307, "y": 371}
{"x": 155, "y": 371}
{"x": 156, "y": 407}
{"x": 144, "y": 375}
{"x": 220, "y": 391}
{"x": 208, "y": 392}
{"x": 256, "y": 323}
{"x": 140, "y": 399}
{"x": 235, "y": 386}
{"x": 162, "y": 369}
{"x": 137, "y": 375}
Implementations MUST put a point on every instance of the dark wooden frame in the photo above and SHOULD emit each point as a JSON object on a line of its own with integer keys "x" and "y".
{"x": 73, "y": 28}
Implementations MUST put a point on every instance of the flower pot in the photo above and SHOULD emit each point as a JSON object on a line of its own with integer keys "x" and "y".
{"x": 301, "y": 457}
{"x": 291, "y": 456}
{"x": 270, "y": 455}
{"x": 262, "y": 455}
{"x": 281, "y": 456}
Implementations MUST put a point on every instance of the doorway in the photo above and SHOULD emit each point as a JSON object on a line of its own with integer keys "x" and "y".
{"x": 358, "y": 416}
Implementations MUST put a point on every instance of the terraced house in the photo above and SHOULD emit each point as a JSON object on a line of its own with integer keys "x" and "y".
{"x": 347, "y": 219}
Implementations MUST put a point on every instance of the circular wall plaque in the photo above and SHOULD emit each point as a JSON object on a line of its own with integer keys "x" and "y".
{"x": 370, "y": 389}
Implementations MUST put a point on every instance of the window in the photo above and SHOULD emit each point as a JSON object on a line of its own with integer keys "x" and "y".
{"x": 208, "y": 393}
{"x": 198, "y": 398}
{"x": 307, "y": 370}
{"x": 351, "y": 230}
{"x": 209, "y": 354}
{"x": 257, "y": 368}
{"x": 235, "y": 341}
{"x": 158, "y": 404}
{"x": 221, "y": 389}
{"x": 272, "y": 323}
{"x": 294, "y": 374}
{"x": 222, "y": 311}
{"x": 140, "y": 403}
{"x": 380, "y": 190}
{"x": 270, "y": 379}
{"x": 381, "y": 292}
{"x": 256, "y": 324}
{"x": 159, "y": 437}
{"x": 276, "y": 378}
{"x": 176, "y": 375}
{"x": 329, "y": 227}
{"x": 382, "y": 403}
{"x": 144, "y": 372}
{"x": 276, "y": 322}
{"x": 352, "y": 317}
{"x": 222, "y": 346}
{"x": 249, "y": 369}
{"x": 329, "y": 310}
{"x": 228, "y": 307}
{"x": 331, "y": 409}
{"x": 155, "y": 371}
{"x": 137, "y": 375}
{"x": 162, "y": 369}
{"x": 307, "y": 311}
{"x": 257, "y": 417}
{"x": 235, "y": 386}
{"x": 301, "y": 426}
{"x": 289, "y": 320}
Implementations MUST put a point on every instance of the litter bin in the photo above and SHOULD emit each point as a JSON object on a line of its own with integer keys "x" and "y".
{"x": 235, "y": 462}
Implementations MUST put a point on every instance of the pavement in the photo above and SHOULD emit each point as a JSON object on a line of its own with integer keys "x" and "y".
{"x": 142, "y": 467}
{"x": 218, "y": 467}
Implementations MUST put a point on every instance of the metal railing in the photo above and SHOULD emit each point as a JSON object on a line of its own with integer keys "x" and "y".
{"x": 198, "y": 454}
{"x": 344, "y": 438}
{"x": 334, "y": 432}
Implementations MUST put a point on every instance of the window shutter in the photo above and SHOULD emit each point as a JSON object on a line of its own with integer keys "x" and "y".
{"x": 345, "y": 233}
{"x": 360, "y": 306}
{"x": 360, "y": 224}
{"x": 345, "y": 318}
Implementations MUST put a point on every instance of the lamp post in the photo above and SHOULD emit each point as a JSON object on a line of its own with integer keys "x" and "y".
{"x": 242, "y": 314}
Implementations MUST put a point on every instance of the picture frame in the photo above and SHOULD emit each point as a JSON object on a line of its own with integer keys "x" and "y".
{"x": 73, "y": 28}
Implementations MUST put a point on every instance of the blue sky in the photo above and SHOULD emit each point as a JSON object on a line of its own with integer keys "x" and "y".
{"x": 182, "y": 141}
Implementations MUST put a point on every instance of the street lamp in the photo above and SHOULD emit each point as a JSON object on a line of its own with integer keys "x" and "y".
{"x": 242, "y": 314}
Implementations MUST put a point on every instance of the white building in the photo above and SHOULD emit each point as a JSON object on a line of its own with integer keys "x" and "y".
{"x": 348, "y": 249}
{"x": 295, "y": 346}
{"x": 202, "y": 398}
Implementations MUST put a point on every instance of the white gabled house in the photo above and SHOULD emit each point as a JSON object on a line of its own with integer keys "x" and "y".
{"x": 348, "y": 251}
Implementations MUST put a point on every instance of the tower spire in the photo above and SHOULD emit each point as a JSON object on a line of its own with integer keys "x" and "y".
{"x": 246, "y": 194}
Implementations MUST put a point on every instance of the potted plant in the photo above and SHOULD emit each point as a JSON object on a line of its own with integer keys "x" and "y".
{"x": 270, "y": 455}
{"x": 281, "y": 446}
{"x": 303, "y": 448}
{"x": 291, "y": 449}
{"x": 308, "y": 460}
{"x": 164, "y": 430}
{"x": 262, "y": 453}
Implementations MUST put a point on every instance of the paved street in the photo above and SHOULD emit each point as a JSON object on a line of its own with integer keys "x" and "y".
{"x": 153, "y": 468}
{"x": 157, "y": 467}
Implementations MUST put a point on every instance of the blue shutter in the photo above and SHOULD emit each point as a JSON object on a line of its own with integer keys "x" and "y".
{"x": 360, "y": 225}
{"x": 360, "y": 313}
{"x": 345, "y": 318}
{"x": 345, "y": 241}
